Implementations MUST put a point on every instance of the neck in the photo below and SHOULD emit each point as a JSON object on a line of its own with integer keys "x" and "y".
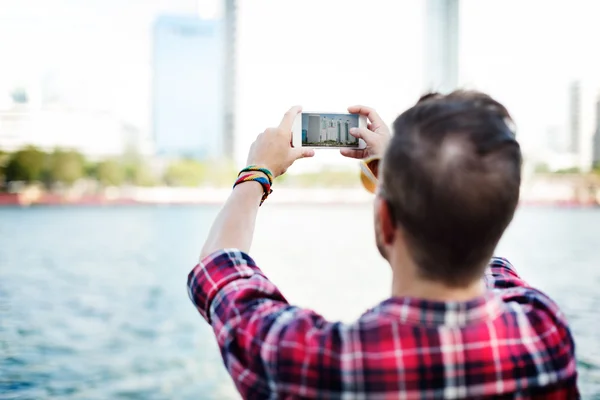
{"x": 406, "y": 282}
{"x": 417, "y": 287}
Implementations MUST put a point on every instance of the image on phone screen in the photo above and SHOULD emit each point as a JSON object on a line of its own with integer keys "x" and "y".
{"x": 328, "y": 130}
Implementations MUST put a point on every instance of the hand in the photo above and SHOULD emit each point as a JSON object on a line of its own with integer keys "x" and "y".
{"x": 376, "y": 135}
{"x": 273, "y": 150}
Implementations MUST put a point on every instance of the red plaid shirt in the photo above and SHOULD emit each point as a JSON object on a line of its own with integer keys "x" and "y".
{"x": 513, "y": 342}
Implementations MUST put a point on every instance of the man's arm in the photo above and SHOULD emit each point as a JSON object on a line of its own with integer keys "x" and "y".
{"x": 234, "y": 226}
{"x": 268, "y": 346}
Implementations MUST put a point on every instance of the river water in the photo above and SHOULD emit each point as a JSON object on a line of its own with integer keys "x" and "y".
{"x": 93, "y": 302}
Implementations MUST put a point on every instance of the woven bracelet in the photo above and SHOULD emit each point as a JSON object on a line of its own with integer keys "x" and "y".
{"x": 256, "y": 168}
{"x": 265, "y": 183}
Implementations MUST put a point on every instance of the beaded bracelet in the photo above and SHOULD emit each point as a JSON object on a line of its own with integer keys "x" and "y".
{"x": 265, "y": 183}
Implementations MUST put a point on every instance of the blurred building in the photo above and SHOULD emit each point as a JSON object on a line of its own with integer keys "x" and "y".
{"x": 193, "y": 86}
{"x": 582, "y": 102}
{"x": 574, "y": 116}
{"x": 596, "y": 156}
{"x": 441, "y": 45}
{"x": 187, "y": 87}
{"x": 230, "y": 21}
{"x": 92, "y": 133}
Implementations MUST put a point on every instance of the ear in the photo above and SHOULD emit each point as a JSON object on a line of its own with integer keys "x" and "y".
{"x": 387, "y": 225}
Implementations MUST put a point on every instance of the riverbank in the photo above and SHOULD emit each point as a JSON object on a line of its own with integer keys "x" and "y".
{"x": 537, "y": 190}
{"x": 217, "y": 196}
{"x": 184, "y": 196}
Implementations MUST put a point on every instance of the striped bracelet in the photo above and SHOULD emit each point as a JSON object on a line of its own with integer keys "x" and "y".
{"x": 257, "y": 177}
{"x": 256, "y": 168}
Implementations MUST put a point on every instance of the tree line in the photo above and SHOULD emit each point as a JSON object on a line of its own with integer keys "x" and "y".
{"x": 63, "y": 167}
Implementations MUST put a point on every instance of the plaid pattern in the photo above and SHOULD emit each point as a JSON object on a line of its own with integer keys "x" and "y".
{"x": 512, "y": 343}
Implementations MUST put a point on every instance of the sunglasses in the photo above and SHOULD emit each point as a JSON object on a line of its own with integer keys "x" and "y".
{"x": 369, "y": 172}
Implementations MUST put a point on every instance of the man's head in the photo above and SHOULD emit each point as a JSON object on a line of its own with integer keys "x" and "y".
{"x": 449, "y": 185}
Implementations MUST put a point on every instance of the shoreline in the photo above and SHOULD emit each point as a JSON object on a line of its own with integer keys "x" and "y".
{"x": 216, "y": 197}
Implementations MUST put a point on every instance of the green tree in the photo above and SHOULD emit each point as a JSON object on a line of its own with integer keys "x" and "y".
{"x": 326, "y": 178}
{"x": 4, "y": 158}
{"x": 65, "y": 166}
{"x": 140, "y": 174}
{"x": 110, "y": 173}
{"x": 541, "y": 168}
{"x": 221, "y": 173}
{"x": 572, "y": 170}
{"x": 90, "y": 169}
{"x": 186, "y": 173}
{"x": 26, "y": 165}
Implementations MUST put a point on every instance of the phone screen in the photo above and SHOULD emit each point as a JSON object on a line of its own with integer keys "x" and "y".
{"x": 328, "y": 130}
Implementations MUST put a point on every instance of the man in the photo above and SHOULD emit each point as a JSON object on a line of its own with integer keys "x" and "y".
{"x": 457, "y": 325}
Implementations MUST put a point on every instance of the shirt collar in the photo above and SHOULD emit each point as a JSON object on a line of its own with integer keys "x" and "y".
{"x": 452, "y": 313}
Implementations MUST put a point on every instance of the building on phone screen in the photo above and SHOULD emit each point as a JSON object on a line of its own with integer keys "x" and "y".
{"x": 314, "y": 129}
{"x": 325, "y": 128}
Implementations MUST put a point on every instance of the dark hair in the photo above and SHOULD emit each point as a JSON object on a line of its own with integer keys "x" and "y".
{"x": 451, "y": 176}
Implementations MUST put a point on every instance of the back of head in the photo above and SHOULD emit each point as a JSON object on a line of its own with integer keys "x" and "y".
{"x": 451, "y": 176}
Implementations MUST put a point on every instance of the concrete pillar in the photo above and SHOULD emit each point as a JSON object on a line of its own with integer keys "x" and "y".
{"x": 441, "y": 45}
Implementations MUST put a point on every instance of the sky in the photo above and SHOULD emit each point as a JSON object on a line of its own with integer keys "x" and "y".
{"x": 319, "y": 54}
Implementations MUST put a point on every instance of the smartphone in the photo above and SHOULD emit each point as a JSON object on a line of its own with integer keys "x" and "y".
{"x": 324, "y": 130}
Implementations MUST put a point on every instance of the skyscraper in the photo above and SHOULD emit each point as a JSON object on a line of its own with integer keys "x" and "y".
{"x": 441, "y": 45}
{"x": 314, "y": 131}
{"x": 193, "y": 109}
{"x": 229, "y": 81}
{"x": 582, "y": 104}
{"x": 574, "y": 117}
{"x": 596, "y": 156}
{"x": 346, "y": 136}
{"x": 331, "y": 129}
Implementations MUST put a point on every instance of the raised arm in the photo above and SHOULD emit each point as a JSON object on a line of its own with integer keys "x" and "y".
{"x": 268, "y": 346}
{"x": 234, "y": 226}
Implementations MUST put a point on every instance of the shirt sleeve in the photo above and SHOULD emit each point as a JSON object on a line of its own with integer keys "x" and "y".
{"x": 501, "y": 274}
{"x": 266, "y": 344}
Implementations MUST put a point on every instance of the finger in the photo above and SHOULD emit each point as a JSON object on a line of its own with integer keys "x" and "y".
{"x": 302, "y": 153}
{"x": 368, "y": 112}
{"x": 353, "y": 153}
{"x": 288, "y": 119}
{"x": 361, "y": 133}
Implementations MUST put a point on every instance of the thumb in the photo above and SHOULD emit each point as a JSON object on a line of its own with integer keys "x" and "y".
{"x": 302, "y": 153}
